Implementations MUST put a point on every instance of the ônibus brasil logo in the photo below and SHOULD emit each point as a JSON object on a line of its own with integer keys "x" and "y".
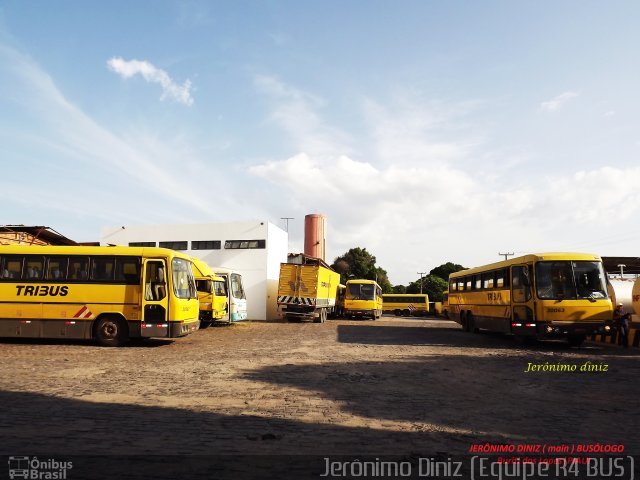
{"x": 32, "y": 468}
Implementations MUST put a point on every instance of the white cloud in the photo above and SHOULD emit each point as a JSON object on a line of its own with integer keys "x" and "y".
{"x": 426, "y": 216}
{"x": 420, "y": 200}
{"x": 558, "y": 102}
{"x": 129, "y": 175}
{"x": 296, "y": 112}
{"x": 410, "y": 131}
{"x": 129, "y": 68}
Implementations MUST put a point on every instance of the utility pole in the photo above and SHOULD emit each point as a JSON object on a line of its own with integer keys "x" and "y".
{"x": 421, "y": 273}
{"x": 506, "y": 255}
{"x": 286, "y": 222}
{"x": 621, "y": 265}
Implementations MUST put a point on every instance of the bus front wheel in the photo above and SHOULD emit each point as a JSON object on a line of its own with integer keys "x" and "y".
{"x": 111, "y": 332}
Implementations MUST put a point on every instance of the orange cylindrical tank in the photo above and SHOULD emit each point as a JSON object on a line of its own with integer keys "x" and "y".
{"x": 315, "y": 240}
{"x": 622, "y": 291}
{"x": 635, "y": 297}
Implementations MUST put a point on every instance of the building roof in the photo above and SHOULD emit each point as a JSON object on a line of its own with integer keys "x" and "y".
{"x": 304, "y": 259}
{"x": 45, "y": 234}
{"x": 631, "y": 265}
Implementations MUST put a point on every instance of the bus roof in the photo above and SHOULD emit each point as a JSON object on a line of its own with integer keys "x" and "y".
{"x": 362, "y": 280}
{"x": 201, "y": 269}
{"x": 404, "y": 295}
{"x": 532, "y": 257}
{"x": 90, "y": 250}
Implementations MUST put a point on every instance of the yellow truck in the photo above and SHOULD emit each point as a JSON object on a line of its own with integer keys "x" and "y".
{"x": 212, "y": 293}
{"x": 307, "y": 289}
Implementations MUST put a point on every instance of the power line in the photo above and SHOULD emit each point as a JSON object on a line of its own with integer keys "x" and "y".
{"x": 286, "y": 221}
{"x": 421, "y": 273}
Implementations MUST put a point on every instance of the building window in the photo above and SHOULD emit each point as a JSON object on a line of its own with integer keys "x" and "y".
{"x": 206, "y": 245}
{"x": 238, "y": 244}
{"x": 174, "y": 245}
{"x": 142, "y": 244}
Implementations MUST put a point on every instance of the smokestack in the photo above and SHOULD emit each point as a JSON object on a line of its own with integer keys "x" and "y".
{"x": 315, "y": 240}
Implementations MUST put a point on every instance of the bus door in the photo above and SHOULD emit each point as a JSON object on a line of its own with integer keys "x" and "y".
{"x": 522, "y": 302}
{"x": 155, "y": 301}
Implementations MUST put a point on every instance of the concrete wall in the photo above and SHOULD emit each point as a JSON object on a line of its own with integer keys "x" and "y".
{"x": 259, "y": 267}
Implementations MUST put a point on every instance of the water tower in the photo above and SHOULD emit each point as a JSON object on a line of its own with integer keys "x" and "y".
{"x": 315, "y": 235}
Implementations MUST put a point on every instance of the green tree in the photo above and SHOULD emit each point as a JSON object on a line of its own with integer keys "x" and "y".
{"x": 445, "y": 269}
{"x": 383, "y": 280}
{"x": 358, "y": 263}
{"x": 399, "y": 289}
{"x": 434, "y": 286}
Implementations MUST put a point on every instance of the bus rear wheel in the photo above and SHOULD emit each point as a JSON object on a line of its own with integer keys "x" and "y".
{"x": 111, "y": 331}
{"x": 471, "y": 324}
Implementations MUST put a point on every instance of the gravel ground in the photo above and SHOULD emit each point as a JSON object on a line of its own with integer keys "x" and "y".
{"x": 392, "y": 386}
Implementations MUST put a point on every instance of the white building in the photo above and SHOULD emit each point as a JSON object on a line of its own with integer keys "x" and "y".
{"x": 253, "y": 249}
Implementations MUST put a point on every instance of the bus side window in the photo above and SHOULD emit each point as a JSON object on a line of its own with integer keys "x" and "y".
{"x": 128, "y": 270}
{"x": 521, "y": 290}
{"x": 56, "y": 268}
{"x": 155, "y": 288}
{"x": 34, "y": 267}
{"x": 12, "y": 267}
{"x": 102, "y": 269}
{"x": 78, "y": 268}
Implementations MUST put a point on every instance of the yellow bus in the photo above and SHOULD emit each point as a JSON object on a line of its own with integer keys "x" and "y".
{"x": 547, "y": 295}
{"x": 212, "y": 293}
{"x": 341, "y": 292}
{"x": 363, "y": 299}
{"x": 445, "y": 304}
{"x": 406, "y": 304}
{"x": 236, "y": 298}
{"x": 109, "y": 294}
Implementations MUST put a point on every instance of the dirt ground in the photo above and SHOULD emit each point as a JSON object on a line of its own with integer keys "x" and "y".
{"x": 393, "y": 386}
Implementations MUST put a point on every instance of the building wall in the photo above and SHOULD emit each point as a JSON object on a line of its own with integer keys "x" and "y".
{"x": 259, "y": 267}
{"x": 20, "y": 238}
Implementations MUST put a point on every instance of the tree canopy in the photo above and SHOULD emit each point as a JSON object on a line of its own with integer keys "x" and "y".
{"x": 432, "y": 285}
{"x": 358, "y": 263}
{"x": 444, "y": 270}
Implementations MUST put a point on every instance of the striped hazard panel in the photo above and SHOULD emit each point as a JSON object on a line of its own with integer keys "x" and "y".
{"x": 296, "y": 300}
{"x": 84, "y": 312}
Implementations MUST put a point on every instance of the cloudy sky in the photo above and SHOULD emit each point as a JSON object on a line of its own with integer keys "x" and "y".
{"x": 426, "y": 131}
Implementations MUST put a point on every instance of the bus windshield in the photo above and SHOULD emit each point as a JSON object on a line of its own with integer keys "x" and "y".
{"x": 203, "y": 286}
{"x": 361, "y": 291}
{"x": 236, "y": 286}
{"x": 184, "y": 284}
{"x": 219, "y": 288}
{"x": 567, "y": 280}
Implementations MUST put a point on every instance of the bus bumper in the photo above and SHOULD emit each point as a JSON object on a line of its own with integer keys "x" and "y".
{"x": 564, "y": 329}
{"x": 180, "y": 329}
{"x": 359, "y": 313}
